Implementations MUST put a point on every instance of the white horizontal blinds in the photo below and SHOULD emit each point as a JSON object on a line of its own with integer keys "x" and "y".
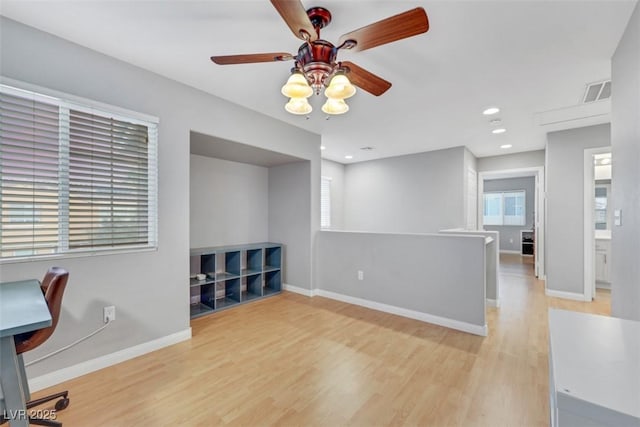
{"x": 109, "y": 201}
{"x": 325, "y": 202}
{"x": 492, "y": 209}
{"x": 514, "y": 208}
{"x": 29, "y": 175}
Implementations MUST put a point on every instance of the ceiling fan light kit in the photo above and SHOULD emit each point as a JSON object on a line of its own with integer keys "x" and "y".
{"x": 316, "y": 66}
{"x": 335, "y": 106}
{"x": 298, "y": 106}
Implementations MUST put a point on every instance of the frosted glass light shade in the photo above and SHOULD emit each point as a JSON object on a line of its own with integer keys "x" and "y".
{"x": 297, "y": 87}
{"x": 340, "y": 88}
{"x": 298, "y": 106}
{"x": 335, "y": 106}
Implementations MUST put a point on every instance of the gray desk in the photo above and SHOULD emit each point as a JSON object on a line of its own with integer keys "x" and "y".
{"x": 594, "y": 370}
{"x": 22, "y": 309}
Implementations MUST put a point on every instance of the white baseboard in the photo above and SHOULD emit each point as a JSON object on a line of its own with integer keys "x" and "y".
{"x": 404, "y": 312}
{"x": 493, "y": 302}
{"x": 298, "y": 290}
{"x": 566, "y": 295}
{"x": 83, "y": 368}
{"x": 510, "y": 252}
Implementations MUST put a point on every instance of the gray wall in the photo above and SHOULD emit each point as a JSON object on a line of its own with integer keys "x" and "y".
{"x": 525, "y": 159}
{"x": 440, "y": 275}
{"x": 416, "y": 193}
{"x": 625, "y": 139}
{"x": 335, "y": 171}
{"x": 565, "y": 204}
{"x": 492, "y": 258}
{"x": 289, "y": 213}
{"x": 149, "y": 289}
{"x": 229, "y": 202}
{"x": 510, "y": 234}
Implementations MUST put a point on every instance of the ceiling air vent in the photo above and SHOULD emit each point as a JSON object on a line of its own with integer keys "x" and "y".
{"x": 597, "y": 91}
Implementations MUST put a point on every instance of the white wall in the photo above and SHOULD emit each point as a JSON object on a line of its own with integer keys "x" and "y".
{"x": 417, "y": 193}
{"x": 335, "y": 171}
{"x": 625, "y": 139}
{"x": 149, "y": 289}
{"x": 565, "y": 205}
{"x": 229, "y": 202}
{"x": 510, "y": 234}
{"x": 527, "y": 159}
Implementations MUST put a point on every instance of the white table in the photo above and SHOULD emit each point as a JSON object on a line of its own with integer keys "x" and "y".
{"x": 594, "y": 370}
{"x": 22, "y": 309}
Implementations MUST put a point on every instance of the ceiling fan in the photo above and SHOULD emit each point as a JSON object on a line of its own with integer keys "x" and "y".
{"x": 316, "y": 62}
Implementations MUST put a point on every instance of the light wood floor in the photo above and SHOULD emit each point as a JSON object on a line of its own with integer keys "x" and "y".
{"x": 291, "y": 360}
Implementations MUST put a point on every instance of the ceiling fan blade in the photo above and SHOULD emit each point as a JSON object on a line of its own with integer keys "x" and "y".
{"x": 365, "y": 80}
{"x": 251, "y": 58}
{"x": 294, "y": 14}
{"x": 397, "y": 27}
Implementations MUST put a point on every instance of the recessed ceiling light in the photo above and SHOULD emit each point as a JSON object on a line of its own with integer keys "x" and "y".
{"x": 506, "y": 146}
{"x": 491, "y": 110}
{"x": 499, "y": 130}
{"x": 322, "y": 147}
{"x": 348, "y": 157}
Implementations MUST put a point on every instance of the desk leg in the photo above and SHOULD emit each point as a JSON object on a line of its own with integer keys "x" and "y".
{"x": 12, "y": 386}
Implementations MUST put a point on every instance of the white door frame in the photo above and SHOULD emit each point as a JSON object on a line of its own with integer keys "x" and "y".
{"x": 589, "y": 228}
{"x": 539, "y": 207}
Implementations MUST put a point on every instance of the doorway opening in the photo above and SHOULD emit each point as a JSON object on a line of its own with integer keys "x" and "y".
{"x": 598, "y": 221}
{"x": 512, "y": 202}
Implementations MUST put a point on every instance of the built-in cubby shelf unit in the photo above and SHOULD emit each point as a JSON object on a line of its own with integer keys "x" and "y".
{"x": 233, "y": 275}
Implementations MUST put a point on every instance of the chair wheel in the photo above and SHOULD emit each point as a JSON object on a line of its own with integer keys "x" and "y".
{"x": 62, "y": 404}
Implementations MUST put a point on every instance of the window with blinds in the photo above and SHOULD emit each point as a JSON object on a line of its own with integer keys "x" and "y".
{"x": 73, "y": 178}
{"x": 504, "y": 208}
{"x": 325, "y": 202}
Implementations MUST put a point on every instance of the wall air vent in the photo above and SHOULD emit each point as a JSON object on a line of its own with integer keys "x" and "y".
{"x": 597, "y": 91}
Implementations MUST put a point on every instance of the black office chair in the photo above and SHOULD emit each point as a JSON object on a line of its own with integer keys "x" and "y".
{"x": 52, "y": 286}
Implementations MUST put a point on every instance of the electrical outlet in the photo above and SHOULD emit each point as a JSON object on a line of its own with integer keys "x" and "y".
{"x": 360, "y": 275}
{"x": 109, "y": 313}
{"x": 510, "y": 240}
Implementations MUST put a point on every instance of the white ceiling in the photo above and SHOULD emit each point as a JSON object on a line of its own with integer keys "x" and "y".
{"x": 526, "y": 57}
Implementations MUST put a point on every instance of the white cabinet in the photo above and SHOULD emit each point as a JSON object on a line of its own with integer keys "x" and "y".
{"x": 603, "y": 260}
{"x": 594, "y": 370}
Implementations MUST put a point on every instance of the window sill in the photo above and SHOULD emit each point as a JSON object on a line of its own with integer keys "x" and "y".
{"x": 70, "y": 255}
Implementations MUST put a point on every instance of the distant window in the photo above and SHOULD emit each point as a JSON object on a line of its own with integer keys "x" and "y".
{"x": 325, "y": 202}
{"x": 504, "y": 208}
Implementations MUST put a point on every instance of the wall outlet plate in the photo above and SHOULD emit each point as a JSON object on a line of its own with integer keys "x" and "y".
{"x": 109, "y": 313}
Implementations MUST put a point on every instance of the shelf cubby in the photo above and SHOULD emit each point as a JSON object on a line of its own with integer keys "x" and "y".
{"x": 228, "y": 265}
{"x": 251, "y": 287}
{"x": 205, "y": 302}
{"x": 235, "y": 275}
{"x": 272, "y": 258}
{"x": 208, "y": 265}
{"x": 272, "y": 282}
{"x": 251, "y": 262}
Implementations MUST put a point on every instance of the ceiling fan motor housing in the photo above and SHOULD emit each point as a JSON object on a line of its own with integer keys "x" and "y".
{"x": 317, "y": 60}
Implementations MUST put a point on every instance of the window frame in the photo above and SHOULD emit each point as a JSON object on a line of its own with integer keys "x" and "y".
{"x": 327, "y": 180}
{"x": 502, "y": 209}
{"x": 68, "y": 102}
